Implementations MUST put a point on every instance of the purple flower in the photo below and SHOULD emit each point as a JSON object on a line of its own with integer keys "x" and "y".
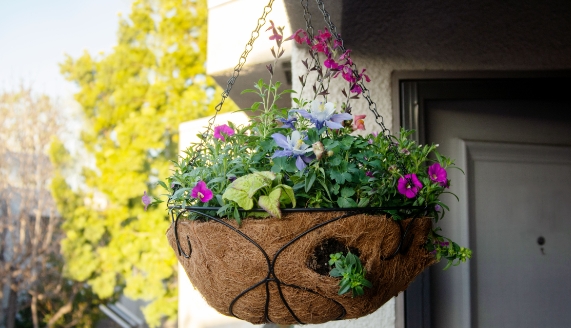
{"x": 356, "y": 89}
{"x": 331, "y": 64}
{"x": 293, "y": 146}
{"x": 409, "y": 185}
{"x": 437, "y": 208}
{"x": 324, "y": 114}
{"x": 438, "y": 174}
{"x": 369, "y": 174}
{"x": 221, "y": 131}
{"x": 146, "y": 199}
{"x": 288, "y": 123}
{"x": 201, "y": 192}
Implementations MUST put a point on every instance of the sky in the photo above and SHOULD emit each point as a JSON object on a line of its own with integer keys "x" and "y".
{"x": 35, "y": 35}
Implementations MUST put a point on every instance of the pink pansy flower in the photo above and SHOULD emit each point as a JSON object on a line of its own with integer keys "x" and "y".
{"x": 146, "y": 199}
{"x": 359, "y": 122}
{"x": 221, "y": 131}
{"x": 409, "y": 185}
{"x": 202, "y": 192}
{"x": 438, "y": 174}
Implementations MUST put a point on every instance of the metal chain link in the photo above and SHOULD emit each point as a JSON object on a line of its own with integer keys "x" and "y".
{"x": 366, "y": 93}
{"x": 307, "y": 17}
{"x": 249, "y": 46}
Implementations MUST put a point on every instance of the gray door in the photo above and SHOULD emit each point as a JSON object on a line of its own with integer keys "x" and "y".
{"x": 515, "y": 202}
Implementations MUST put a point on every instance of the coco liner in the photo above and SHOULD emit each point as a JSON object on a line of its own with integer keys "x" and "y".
{"x": 261, "y": 272}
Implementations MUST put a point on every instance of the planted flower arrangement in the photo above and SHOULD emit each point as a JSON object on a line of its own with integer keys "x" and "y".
{"x": 302, "y": 216}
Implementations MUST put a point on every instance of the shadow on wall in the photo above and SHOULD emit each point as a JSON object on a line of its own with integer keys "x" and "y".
{"x": 533, "y": 33}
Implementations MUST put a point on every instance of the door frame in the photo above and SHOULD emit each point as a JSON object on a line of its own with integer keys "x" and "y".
{"x": 410, "y": 92}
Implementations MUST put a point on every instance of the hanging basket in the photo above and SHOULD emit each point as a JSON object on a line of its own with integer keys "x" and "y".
{"x": 268, "y": 270}
{"x": 276, "y": 270}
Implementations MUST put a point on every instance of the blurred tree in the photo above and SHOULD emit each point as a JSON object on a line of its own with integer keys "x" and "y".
{"x": 32, "y": 287}
{"x": 134, "y": 99}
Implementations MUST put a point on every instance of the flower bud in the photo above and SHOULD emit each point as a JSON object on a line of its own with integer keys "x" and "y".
{"x": 330, "y": 153}
{"x": 318, "y": 149}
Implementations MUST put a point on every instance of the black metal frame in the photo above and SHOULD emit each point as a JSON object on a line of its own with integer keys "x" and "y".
{"x": 402, "y": 247}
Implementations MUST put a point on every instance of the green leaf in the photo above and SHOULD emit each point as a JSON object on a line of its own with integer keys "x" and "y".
{"x": 240, "y": 197}
{"x": 363, "y": 202}
{"x": 309, "y": 180}
{"x": 162, "y": 184}
{"x": 271, "y": 203}
{"x": 267, "y": 175}
{"x": 345, "y": 286}
{"x": 347, "y": 192}
{"x": 337, "y": 176}
{"x": 288, "y": 191}
{"x": 335, "y": 272}
{"x": 358, "y": 291}
{"x": 346, "y": 202}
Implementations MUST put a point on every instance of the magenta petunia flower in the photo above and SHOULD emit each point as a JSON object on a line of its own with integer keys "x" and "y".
{"x": 438, "y": 174}
{"x": 409, "y": 185}
{"x": 222, "y": 130}
{"x": 146, "y": 199}
{"x": 202, "y": 192}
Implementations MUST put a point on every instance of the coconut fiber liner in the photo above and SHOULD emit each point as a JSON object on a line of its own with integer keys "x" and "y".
{"x": 235, "y": 276}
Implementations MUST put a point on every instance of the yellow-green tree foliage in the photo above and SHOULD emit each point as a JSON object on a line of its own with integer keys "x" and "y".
{"x": 134, "y": 99}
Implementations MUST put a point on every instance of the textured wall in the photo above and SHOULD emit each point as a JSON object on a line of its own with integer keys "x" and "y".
{"x": 389, "y": 36}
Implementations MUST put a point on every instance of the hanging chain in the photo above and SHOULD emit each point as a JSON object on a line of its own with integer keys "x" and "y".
{"x": 249, "y": 46}
{"x": 366, "y": 94}
{"x": 307, "y": 17}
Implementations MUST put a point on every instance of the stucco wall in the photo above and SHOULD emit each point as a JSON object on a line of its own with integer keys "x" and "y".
{"x": 388, "y": 36}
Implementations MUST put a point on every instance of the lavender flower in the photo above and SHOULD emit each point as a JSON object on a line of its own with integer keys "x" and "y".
{"x": 146, "y": 199}
{"x": 293, "y": 146}
{"x": 324, "y": 114}
{"x": 288, "y": 123}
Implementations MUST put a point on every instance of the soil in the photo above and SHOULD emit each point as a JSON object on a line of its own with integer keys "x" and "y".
{"x": 319, "y": 260}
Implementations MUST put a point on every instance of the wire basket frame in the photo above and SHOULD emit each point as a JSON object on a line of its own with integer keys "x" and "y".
{"x": 270, "y": 277}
